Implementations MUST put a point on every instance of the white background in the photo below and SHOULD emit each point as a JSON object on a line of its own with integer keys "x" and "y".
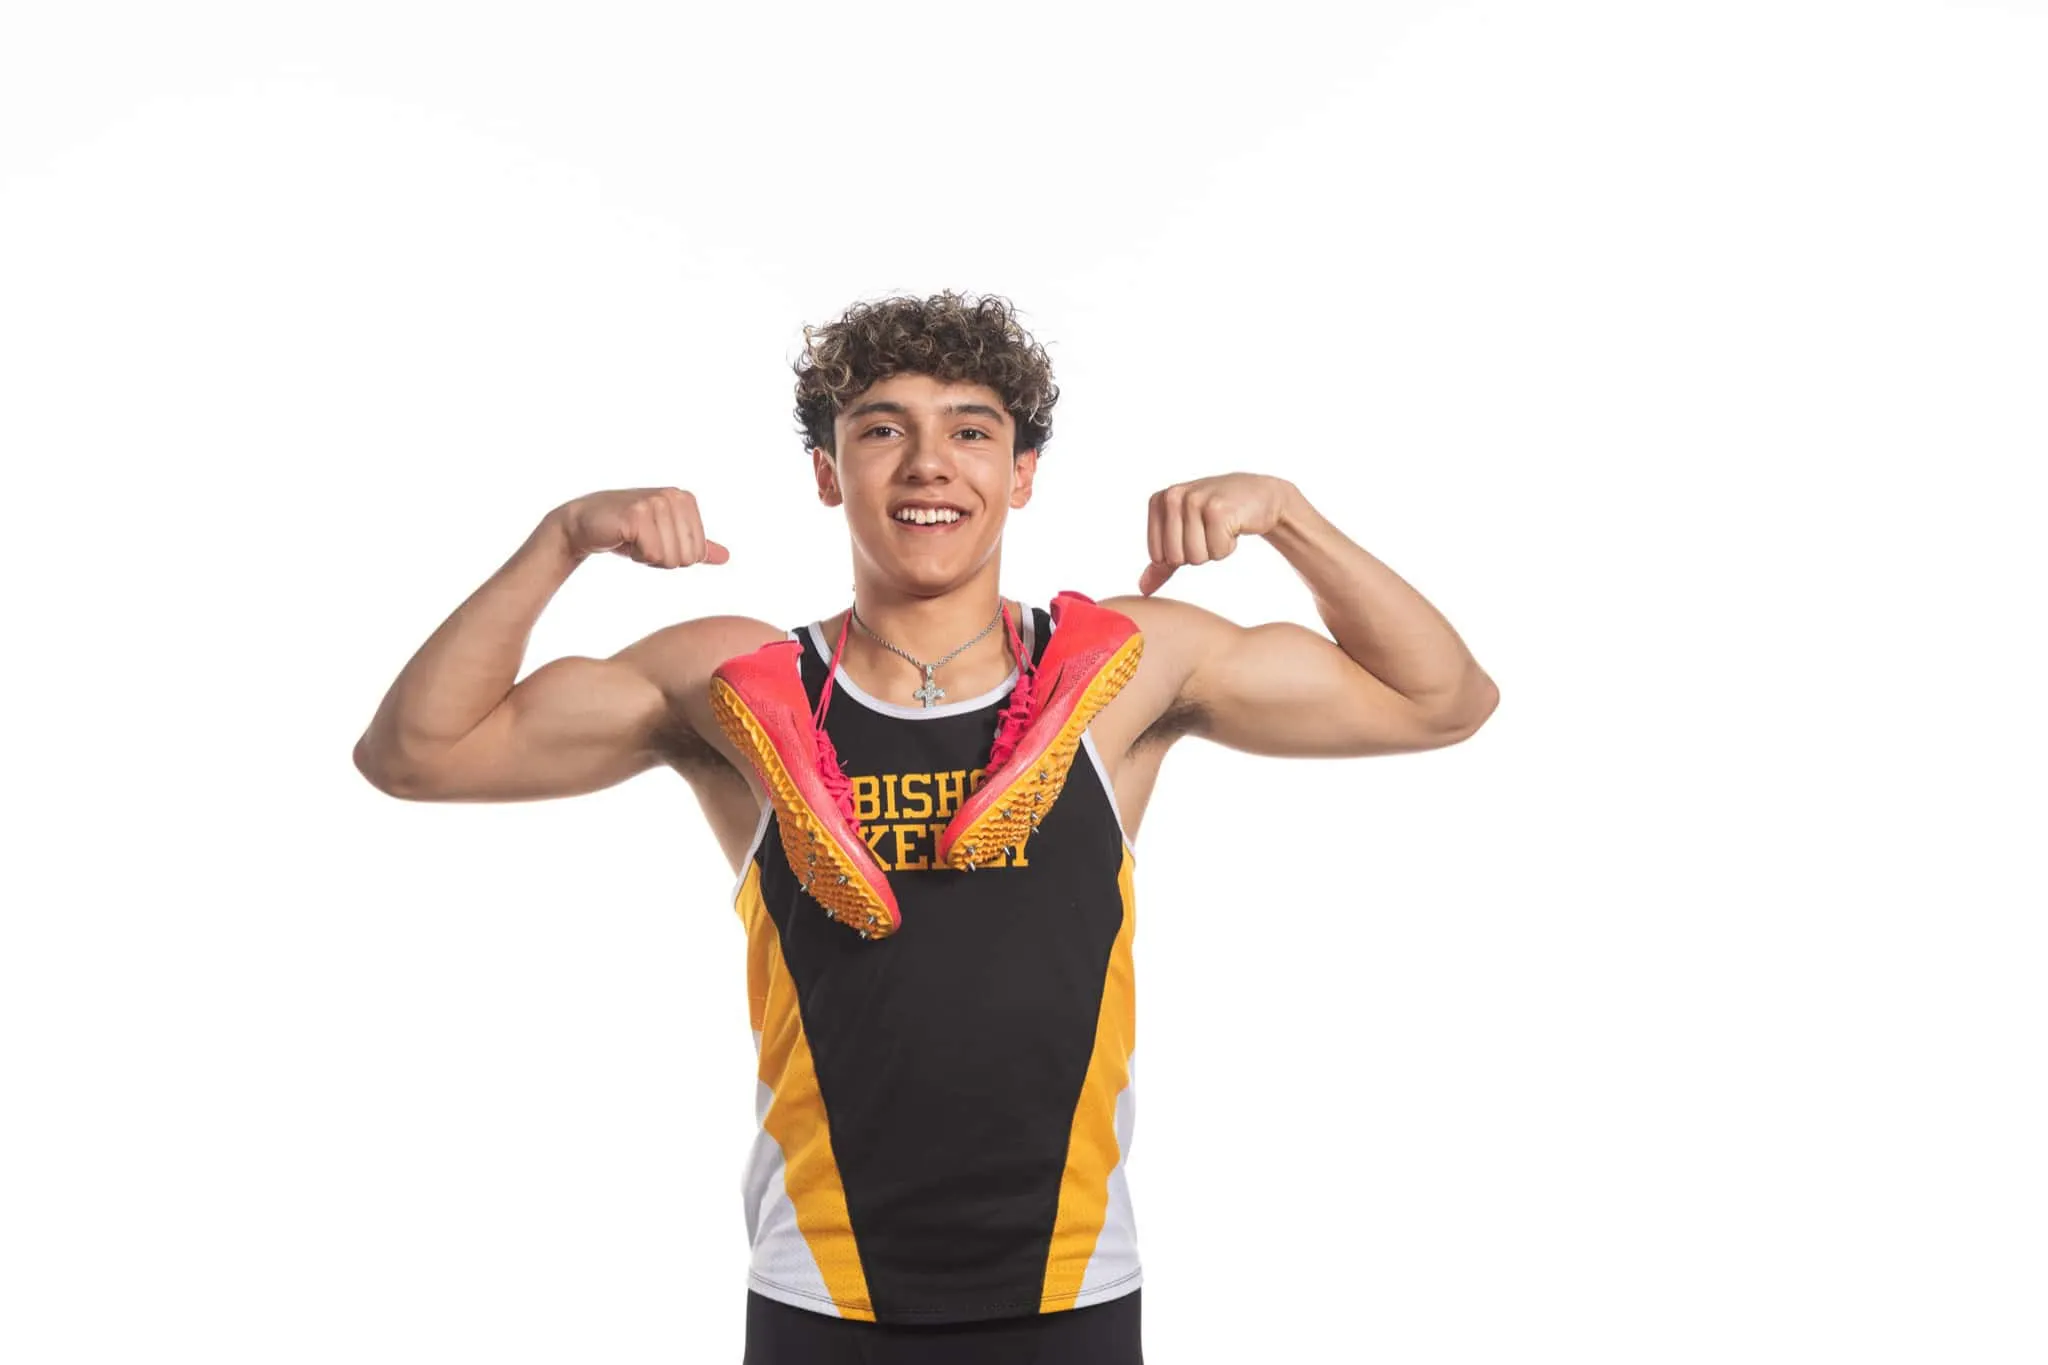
{"x": 1690, "y": 358}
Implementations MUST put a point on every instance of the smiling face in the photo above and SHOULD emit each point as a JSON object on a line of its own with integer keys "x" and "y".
{"x": 927, "y": 477}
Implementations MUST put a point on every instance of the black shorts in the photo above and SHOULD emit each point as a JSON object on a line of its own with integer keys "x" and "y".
{"x": 1100, "y": 1334}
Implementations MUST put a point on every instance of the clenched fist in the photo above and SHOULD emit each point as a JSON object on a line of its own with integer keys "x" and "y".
{"x": 1193, "y": 523}
{"x": 657, "y": 526}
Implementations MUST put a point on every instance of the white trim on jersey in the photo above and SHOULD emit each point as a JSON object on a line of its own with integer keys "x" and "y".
{"x": 1108, "y": 787}
{"x": 843, "y": 683}
{"x": 753, "y": 848}
{"x": 761, "y": 826}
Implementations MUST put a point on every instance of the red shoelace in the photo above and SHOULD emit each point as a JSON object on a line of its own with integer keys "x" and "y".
{"x": 1016, "y": 719}
{"x": 1022, "y": 706}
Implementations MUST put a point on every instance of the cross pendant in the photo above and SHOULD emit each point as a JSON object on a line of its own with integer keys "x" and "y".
{"x": 930, "y": 693}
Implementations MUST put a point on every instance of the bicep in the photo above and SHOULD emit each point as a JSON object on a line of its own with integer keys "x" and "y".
{"x": 1284, "y": 690}
{"x": 574, "y": 725}
{"x": 578, "y": 724}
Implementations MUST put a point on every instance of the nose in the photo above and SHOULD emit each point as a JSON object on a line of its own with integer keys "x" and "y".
{"x": 927, "y": 459}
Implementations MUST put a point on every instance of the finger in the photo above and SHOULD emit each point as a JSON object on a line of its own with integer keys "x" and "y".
{"x": 689, "y": 536}
{"x": 647, "y": 533}
{"x": 1154, "y": 578}
{"x": 641, "y": 537}
{"x": 1219, "y": 530}
{"x": 1172, "y": 528}
{"x": 1194, "y": 535}
{"x": 1155, "y": 538}
{"x": 689, "y": 531}
{"x": 714, "y": 553}
{"x": 669, "y": 544}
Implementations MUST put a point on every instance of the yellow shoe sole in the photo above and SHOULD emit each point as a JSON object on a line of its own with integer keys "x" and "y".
{"x": 1009, "y": 821}
{"x": 821, "y": 865}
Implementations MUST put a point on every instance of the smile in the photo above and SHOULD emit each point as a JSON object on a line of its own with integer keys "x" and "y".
{"x": 929, "y": 521}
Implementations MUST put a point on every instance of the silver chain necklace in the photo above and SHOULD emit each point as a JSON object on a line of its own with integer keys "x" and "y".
{"x": 930, "y": 693}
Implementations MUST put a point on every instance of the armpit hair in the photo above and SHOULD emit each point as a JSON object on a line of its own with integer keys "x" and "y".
{"x": 1181, "y": 718}
{"x": 683, "y": 749}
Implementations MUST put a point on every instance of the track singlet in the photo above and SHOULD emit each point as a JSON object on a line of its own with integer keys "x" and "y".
{"x": 945, "y": 1113}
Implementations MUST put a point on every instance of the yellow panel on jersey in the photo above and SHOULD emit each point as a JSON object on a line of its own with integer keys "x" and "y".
{"x": 1093, "y": 1150}
{"x": 796, "y": 1117}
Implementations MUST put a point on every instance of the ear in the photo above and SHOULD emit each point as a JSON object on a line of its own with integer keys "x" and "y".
{"x": 1026, "y": 469}
{"x": 827, "y": 472}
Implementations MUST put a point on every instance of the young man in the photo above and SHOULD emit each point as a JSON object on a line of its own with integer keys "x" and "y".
{"x": 928, "y": 799}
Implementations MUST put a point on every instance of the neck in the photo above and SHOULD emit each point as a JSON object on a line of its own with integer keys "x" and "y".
{"x": 929, "y": 628}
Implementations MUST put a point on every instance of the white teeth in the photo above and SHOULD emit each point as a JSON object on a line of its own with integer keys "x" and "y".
{"x": 926, "y": 516}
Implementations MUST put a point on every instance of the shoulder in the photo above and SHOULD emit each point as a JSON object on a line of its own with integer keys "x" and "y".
{"x": 1178, "y": 635}
{"x": 1155, "y": 705}
{"x": 679, "y": 658}
{"x": 1165, "y": 613}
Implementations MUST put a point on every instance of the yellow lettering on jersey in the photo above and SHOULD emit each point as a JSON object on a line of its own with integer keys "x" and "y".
{"x": 917, "y": 801}
{"x": 904, "y": 835}
{"x": 927, "y": 801}
{"x": 867, "y": 799}
{"x": 873, "y": 834}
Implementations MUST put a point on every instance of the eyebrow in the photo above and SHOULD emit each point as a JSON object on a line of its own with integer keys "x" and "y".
{"x": 886, "y": 405}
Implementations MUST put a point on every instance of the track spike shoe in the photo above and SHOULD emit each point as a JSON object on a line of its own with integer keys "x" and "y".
{"x": 1093, "y": 652}
{"x": 760, "y": 704}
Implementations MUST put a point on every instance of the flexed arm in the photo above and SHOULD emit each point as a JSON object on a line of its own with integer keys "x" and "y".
{"x": 1395, "y": 678}
{"x": 455, "y": 727}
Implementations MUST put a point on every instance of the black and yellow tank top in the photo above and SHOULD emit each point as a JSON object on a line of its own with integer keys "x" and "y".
{"x": 945, "y": 1113}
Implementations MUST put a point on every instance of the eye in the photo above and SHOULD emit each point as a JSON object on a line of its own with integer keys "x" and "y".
{"x": 884, "y": 426}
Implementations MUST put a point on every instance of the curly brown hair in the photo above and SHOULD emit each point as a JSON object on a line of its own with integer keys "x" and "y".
{"x": 951, "y": 337}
